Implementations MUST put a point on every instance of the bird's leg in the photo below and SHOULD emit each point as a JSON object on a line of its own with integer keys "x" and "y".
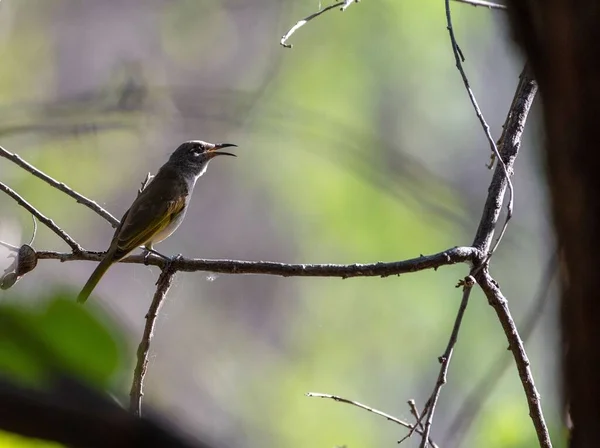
{"x": 148, "y": 250}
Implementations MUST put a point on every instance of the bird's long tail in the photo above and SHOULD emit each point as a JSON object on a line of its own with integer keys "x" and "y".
{"x": 100, "y": 270}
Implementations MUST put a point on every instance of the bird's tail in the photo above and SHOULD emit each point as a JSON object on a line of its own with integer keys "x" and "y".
{"x": 95, "y": 278}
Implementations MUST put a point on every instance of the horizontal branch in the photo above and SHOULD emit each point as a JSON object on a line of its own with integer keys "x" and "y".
{"x": 378, "y": 269}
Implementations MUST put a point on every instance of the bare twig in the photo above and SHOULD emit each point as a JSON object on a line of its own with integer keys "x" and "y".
{"x": 389, "y": 417}
{"x": 472, "y": 404}
{"x": 445, "y": 361}
{"x": 418, "y": 423}
{"x": 380, "y": 269}
{"x": 415, "y": 412}
{"x": 516, "y": 118}
{"x": 483, "y": 3}
{"x": 43, "y": 219}
{"x": 500, "y": 305}
{"x": 347, "y": 4}
{"x": 510, "y": 141}
{"x": 458, "y": 58}
{"x": 34, "y": 231}
{"x": 302, "y": 22}
{"x": 137, "y": 387}
{"x": 59, "y": 186}
{"x": 9, "y": 246}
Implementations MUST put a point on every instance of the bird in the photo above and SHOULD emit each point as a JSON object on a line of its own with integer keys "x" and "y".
{"x": 160, "y": 207}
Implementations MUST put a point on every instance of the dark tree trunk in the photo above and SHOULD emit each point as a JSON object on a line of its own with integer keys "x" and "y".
{"x": 561, "y": 39}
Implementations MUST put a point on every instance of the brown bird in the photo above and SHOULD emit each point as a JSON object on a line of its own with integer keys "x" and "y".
{"x": 160, "y": 207}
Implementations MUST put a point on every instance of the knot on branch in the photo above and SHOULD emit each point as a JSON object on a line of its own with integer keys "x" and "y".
{"x": 24, "y": 261}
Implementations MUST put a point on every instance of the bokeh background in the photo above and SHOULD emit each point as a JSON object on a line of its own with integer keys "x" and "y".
{"x": 357, "y": 145}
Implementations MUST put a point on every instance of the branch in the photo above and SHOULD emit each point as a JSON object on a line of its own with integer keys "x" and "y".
{"x": 467, "y": 284}
{"x": 347, "y": 4}
{"x": 163, "y": 284}
{"x": 483, "y": 3}
{"x": 458, "y": 58}
{"x": 472, "y": 404}
{"x": 389, "y": 417}
{"x": 415, "y": 412}
{"x": 43, "y": 219}
{"x": 343, "y": 6}
{"x": 59, "y": 186}
{"x": 379, "y": 269}
{"x": 509, "y": 143}
{"x": 9, "y": 246}
{"x": 500, "y": 305}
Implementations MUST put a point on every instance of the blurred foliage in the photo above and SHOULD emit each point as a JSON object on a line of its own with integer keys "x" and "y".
{"x": 57, "y": 337}
{"x": 8, "y": 440}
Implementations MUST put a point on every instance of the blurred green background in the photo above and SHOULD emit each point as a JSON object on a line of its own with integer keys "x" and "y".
{"x": 357, "y": 145}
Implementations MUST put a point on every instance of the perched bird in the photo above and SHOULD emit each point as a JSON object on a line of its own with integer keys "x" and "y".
{"x": 160, "y": 207}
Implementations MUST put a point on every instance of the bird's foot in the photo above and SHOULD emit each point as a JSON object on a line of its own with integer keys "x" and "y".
{"x": 146, "y": 253}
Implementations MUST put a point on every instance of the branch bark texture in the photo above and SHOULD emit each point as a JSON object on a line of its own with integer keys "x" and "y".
{"x": 139, "y": 374}
{"x": 378, "y": 269}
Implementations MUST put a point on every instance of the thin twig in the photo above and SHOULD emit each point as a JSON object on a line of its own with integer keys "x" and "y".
{"x": 511, "y": 141}
{"x": 500, "y": 305}
{"x": 457, "y": 58}
{"x": 43, "y": 219}
{"x": 483, "y": 3}
{"x": 347, "y": 4}
{"x": 445, "y": 361}
{"x": 415, "y": 412}
{"x": 472, "y": 405}
{"x": 389, "y": 417}
{"x": 418, "y": 423}
{"x": 137, "y": 387}
{"x": 302, "y": 22}
{"x": 59, "y": 186}
{"x": 9, "y": 246}
{"x": 380, "y": 269}
{"x": 34, "y": 231}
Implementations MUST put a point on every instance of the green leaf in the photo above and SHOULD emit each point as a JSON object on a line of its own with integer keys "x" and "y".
{"x": 59, "y": 335}
{"x": 83, "y": 342}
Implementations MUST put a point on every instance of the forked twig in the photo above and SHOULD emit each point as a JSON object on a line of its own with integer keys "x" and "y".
{"x": 59, "y": 186}
{"x": 389, "y": 417}
{"x": 77, "y": 249}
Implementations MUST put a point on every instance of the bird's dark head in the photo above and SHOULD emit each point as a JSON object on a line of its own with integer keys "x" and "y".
{"x": 194, "y": 155}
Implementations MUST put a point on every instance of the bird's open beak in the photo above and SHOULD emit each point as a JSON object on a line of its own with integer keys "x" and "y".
{"x": 221, "y": 146}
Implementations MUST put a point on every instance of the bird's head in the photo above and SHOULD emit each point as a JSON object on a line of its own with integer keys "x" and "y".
{"x": 194, "y": 155}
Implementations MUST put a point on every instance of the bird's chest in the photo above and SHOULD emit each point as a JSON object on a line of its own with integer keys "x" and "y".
{"x": 170, "y": 227}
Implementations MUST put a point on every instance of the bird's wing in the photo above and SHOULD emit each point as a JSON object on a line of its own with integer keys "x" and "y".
{"x": 150, "y": 213}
